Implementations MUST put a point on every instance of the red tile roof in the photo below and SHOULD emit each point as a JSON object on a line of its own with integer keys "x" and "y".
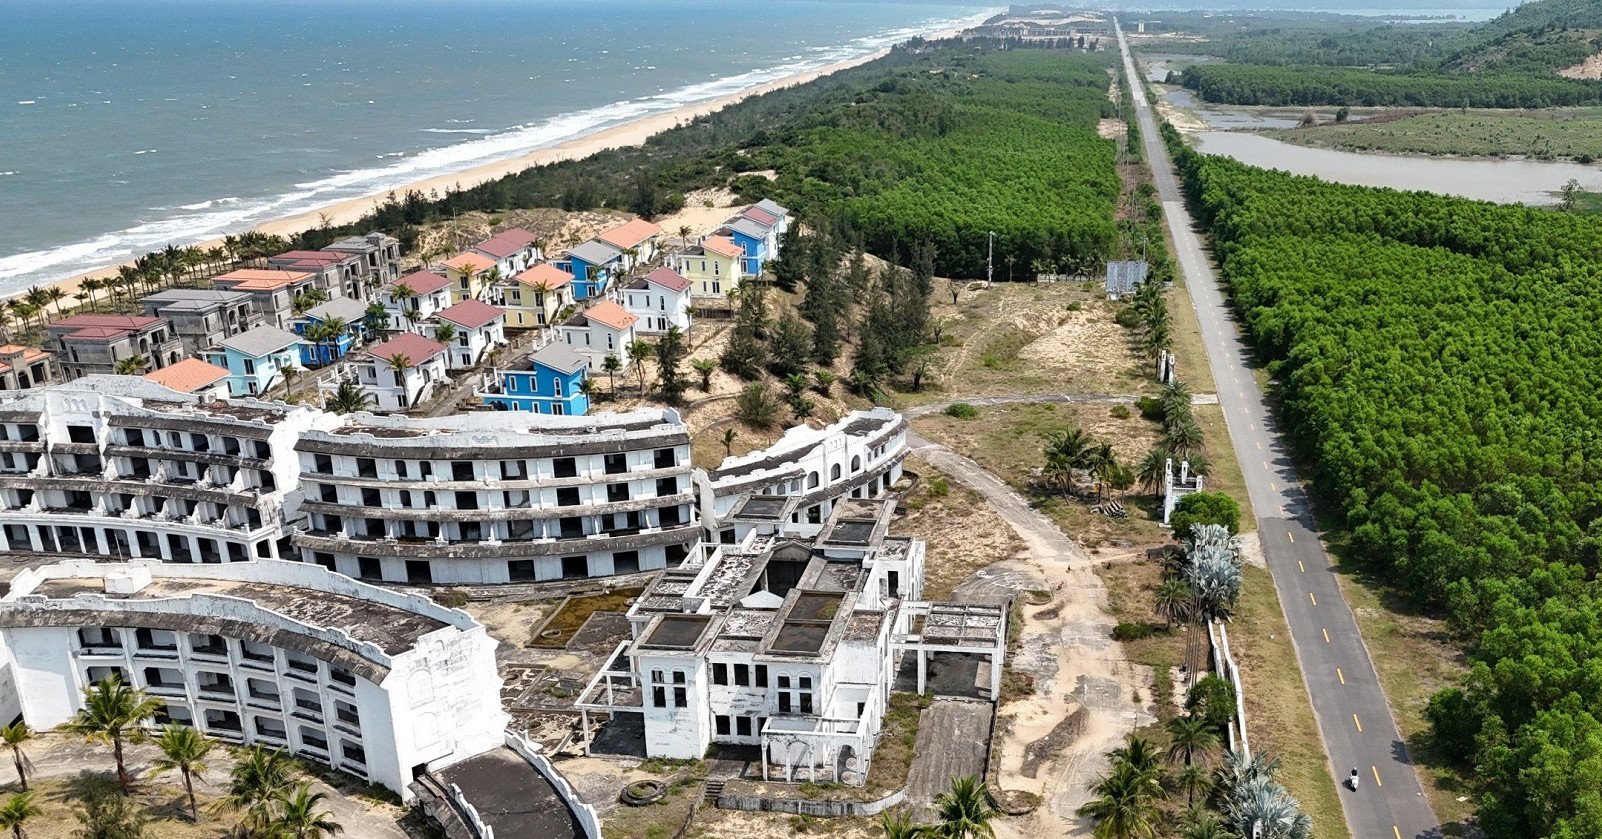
{"x": 668, "y": 279}
{"x": 424, "y": 282}
{"x": 472, "y": 314}
{"x": 545, "y": 274}
{"x": 610, "y": 314}
{"x": 630, "y": 234}
{"x": 188, "y": 375}
{"x": 723, "y": 245}
{"x": 415, "y": 347}
{"x": 761, "y": 217}
{"x": 256, "y": 279}
{"x": 506, "y": 243}
{"x": 104, "y": 327}
{"x": 466, "y": 262}
{"x": 320, "y": 257}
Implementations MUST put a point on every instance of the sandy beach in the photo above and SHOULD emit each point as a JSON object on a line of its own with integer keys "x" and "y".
{"x": 628, "y": 134}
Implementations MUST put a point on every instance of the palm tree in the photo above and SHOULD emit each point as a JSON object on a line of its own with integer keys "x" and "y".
{"x": 16, "y": 811}
{"x": 684, "y": 235}
{"x": 299, "y": 818}
{"x": 444, "y": 333}
{"x": 333, "y": 330}
{"x": 1172, "y": 600}
{"x": 1175, "y": 398}
{"x": 706, "y": 367}
{"x": 54, "y": 295}
{"x": 1189, "y": 734}
{"x": 375, "y": 318}
{"x": 900, "y": 826}
{"x": 348, "y": 398}
{"x": 590, "y": 389}
{"x": 639, "y": 351}
{"x": 612, "y": 365}
{"x": 1150, "y": 470}
{"x": 183, "y": 748}
{"x": 1066, "y": 451}
{"x": 399, "y": 363}
{"x": 1193, "y": 779}
{"x": 1184, "y": 436}
{"x": 131, "y": 366}
{"x": 1123, "y": 807}
{"x": 1142, "y": 754}
{"x": 90, "y": 285}
{"x": 256, "y": 782}
{"x": 728, "y": 441}
{"x": 114, "y": 713}
{"x": 13, "y": 736}
{"x": 964, "y": 812}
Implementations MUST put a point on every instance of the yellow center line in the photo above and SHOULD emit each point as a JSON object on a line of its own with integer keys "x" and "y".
{"x": 1259, "y": 444}
{"x": 1251, "y": 426}
{"x": 1312, "y": 598}
{"x": 1265, "y": 466}
{"x": 1326, "y": 635}
{"x": 1341, "y": 675}
{"x": 1291, "y": 536}
{"x": 1300, "y": 567}
{"x": 1397, "y": 830}
{"x": 1358, "y": 722}
{"x": 1376, "y": 776}
{"x": 1272, "y": 488}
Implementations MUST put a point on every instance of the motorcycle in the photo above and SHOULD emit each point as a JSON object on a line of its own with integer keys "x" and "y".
{"x": 1351, "y": 780}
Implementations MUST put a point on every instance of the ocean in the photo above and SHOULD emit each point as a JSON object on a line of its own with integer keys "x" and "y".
{"x": 126, "y": 125}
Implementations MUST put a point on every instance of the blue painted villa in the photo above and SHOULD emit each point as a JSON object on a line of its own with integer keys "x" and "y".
{"x": 605, "y": 259}
{"x": 256, "y": 359}
{"x": 753, "y": 238}
{"x": 551, "y": 384}
{"x": 332, "y": 348}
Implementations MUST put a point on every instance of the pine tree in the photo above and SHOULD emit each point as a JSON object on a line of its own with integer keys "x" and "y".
{"x": 790, "y": 345}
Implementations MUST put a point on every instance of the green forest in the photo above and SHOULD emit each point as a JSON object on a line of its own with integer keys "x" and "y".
{"x": 933, "y": 144}
{"x": 1435, "y": 361}
{"x": 1510, "y": 62}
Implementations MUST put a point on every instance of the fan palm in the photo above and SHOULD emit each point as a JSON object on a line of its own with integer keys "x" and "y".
{"x": 114, "y": 713}
{"x": 183, "y": 749}
{"x": 963, "y": 811}
{"x": 14, "y": 736}
{"x": 298, "y": 817}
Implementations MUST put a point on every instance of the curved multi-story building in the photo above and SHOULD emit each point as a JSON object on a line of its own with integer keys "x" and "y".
{"x": 122, "y": 467}
{"x": 798, "y": 480}
{"x": 371, "y": 681}
{"x": 496, "y": 498}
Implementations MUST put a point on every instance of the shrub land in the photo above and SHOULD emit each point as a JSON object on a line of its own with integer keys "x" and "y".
{"x": 1435, "y": 367}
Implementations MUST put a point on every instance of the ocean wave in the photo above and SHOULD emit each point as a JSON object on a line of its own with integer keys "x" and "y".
{"x": 215, "y": 218}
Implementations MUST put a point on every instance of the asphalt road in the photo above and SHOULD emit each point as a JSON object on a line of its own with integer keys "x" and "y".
{"x": 1350, "y": 705}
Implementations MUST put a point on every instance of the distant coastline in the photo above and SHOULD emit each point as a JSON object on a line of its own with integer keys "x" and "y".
{"x": 629, "y": 133}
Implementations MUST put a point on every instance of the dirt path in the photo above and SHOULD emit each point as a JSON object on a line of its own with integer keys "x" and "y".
{"x": 1032, "y": 398}
{"x": 1086, "y": 688}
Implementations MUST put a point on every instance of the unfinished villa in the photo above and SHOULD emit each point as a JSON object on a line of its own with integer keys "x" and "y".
{"x": 788, "y": 641}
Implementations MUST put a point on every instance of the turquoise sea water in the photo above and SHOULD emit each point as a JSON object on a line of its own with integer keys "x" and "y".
{"x": 129, "y": 124}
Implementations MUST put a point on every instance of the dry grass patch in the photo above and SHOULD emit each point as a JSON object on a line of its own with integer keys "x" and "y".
{"x": 962, "y": 532}
{"x": 1225, "y": 476}
{"x": 1279, "y": 713}
{"x": 662, "y": 818}
{"x": 712, "y": 823}
{"x": 575, "y": 611}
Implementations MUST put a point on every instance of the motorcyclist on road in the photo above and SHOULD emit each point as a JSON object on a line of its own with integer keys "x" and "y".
{"x": 1353, "y": 779}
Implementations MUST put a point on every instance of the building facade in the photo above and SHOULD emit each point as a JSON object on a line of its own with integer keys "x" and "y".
{"x": 400, "y": 373}
{"x": 712, "y": 267}
{"x": 536, "y": 297}
{"x": 88, "y": 345}
{"x": 23, "y": 367}
{"x": 476, "y": 328}
{"x": 202, "y": 318}
{"x": 552, "y": 384}
{"x": 415, "y": 298}
{"x": 256, "y": 360}
{"x": 605, "y": 329}
{"x": 122, "y": 467}
{"x": 514, "y": 251}
{"x": 369, "y": 681}
{"x": 497, "y": 497}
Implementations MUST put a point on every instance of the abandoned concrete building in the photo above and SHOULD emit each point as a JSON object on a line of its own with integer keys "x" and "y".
{"x": 123, "y": 467}
{"x": 380, "y": 684}
{"x": 787, "y": 642}
{"x": 809, "y": 469}
{"x": 496, "y": 498}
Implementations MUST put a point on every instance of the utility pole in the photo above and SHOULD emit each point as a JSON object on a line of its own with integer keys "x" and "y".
{"x": 990, "y": 262}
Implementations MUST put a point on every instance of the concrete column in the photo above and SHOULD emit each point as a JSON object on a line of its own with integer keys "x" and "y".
{"x": 164, "y": 547}
{"x": 5, "y": 541}
{"x": 997, "y": 659}
{"x": 35, "y": 543}
{"x": 923, "y": 669}
{"x": 584, "y": 722}
{"x": 194, "y": 548}
{"x": 101, "y": 542}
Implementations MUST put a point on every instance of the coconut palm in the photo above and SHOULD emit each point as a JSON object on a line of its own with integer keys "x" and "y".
{"x": 1123, "y": 807}
{"x": 90, "y": 285}
{"x": 612, "y": 365}
{"x": 114, "y": 713}
{"x": 706, "y": 367}
{"x": 590, "y": 389}
{"x": 131, "y": 366}
{"x": 1141, "y": 753}
{"x": 333, "y": 330}
{"x": 728, "y": 441}
{"x": 1171, "y": 599}
{"x": 257, "y": 782}
{"x": 14, "y": 736}
{"x": 183, "y": 749}
{"x": 299, "y": 818}
{"x": 399, "y": 363}
{"x": 1193, "y": 779}
{"x": 900, "y": 826}
{"x": 1066, "y": 451}
{"x": 639, "y": 351}
{"x": 963, "y": 812}
{"x": 16, "y": 812}
{"x": 348, "y": 398}
{"x": 1188, "y": 735}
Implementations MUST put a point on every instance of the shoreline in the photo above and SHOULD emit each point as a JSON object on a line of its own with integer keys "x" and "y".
{"x": 632, "y": 133}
